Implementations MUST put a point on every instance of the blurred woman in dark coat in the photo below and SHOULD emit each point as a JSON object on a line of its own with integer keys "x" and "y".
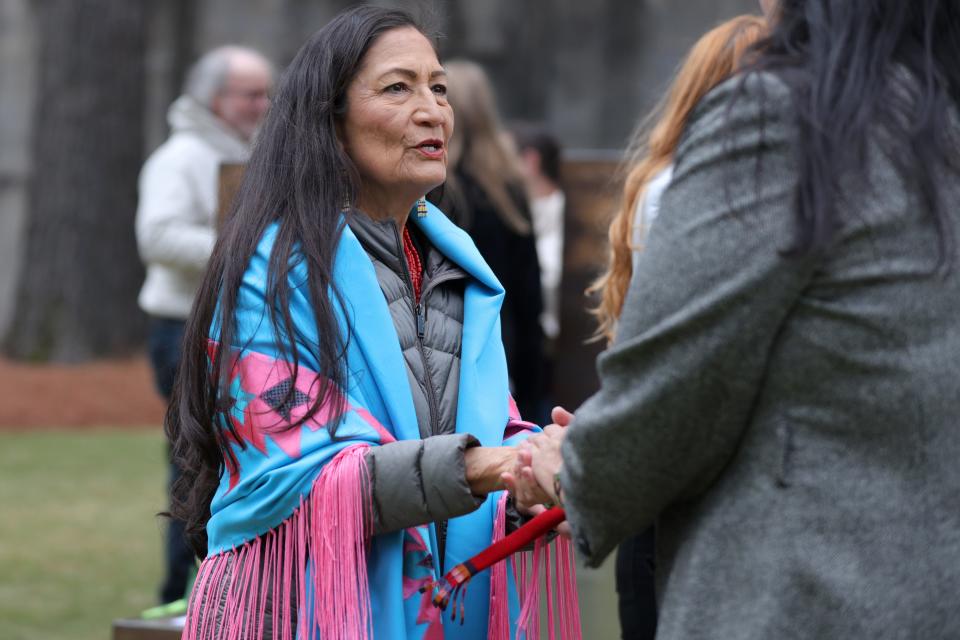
{"x": 484, "y": 193}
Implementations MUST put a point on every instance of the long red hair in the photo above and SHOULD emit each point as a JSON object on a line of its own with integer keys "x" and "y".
{"x": 713, "y": 59}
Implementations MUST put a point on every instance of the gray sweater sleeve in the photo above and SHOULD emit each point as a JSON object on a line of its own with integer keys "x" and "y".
{"x": 414, "y": 482}
{"x": 710, "y": 293}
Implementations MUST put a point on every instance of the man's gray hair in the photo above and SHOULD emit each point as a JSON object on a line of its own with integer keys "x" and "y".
{"x": 208, "y": 74}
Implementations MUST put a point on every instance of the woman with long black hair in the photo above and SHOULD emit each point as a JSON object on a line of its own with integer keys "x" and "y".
{"x": 783, "y": 396}
{"x": 342, "y": 412}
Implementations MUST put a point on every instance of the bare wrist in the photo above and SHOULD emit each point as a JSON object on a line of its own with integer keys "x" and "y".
{"x": 484, "y": 466}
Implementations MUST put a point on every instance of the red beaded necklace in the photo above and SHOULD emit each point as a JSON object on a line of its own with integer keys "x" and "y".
{"x": 414, "y": 265}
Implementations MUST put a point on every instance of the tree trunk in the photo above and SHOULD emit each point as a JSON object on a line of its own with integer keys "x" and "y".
{"x": 79, "y": 280}
{"x": 184, "y": 21}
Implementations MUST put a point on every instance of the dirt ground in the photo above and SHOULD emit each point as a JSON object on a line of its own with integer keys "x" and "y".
{"x": 112, "y": 393}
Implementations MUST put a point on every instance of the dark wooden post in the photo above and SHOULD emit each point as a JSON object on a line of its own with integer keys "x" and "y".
{"x": 589, "y": 181}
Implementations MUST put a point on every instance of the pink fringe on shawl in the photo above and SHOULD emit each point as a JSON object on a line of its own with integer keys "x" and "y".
{"x": 498, "y": 625}
{"x": 329, "y": 531}
{"x": 526, "y": 568}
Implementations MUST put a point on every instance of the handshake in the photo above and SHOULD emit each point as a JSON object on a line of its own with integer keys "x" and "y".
{"x": 534, "y": 479}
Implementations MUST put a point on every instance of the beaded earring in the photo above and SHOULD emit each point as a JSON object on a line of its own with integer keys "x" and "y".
{"x": 421, "y": 208}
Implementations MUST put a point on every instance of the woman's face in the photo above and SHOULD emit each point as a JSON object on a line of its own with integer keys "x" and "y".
{"x": 398, "y": 121}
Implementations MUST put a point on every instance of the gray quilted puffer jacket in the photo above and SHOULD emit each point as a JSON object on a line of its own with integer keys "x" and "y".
{"x": 420, "y": 481}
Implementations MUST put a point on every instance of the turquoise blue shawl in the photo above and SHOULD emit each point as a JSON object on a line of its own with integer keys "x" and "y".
{"x": 280, "y": 480}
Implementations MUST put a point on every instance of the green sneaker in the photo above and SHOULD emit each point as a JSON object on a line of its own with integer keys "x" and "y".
{"x": 169, "y": 610}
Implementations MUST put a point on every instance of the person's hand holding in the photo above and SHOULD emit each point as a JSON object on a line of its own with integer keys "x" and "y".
{"x": 546, "y": 460}
{"x": 525, "y": 490}
{"x": 485, "y": 467}
{"x": 538, "y": 461}
{"x": 528, "y": 496}
{"x": 533, "y": 493}
{"x": 561, "y": 417}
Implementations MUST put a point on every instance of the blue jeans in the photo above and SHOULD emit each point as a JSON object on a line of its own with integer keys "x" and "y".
{"x": 164, "y": 345}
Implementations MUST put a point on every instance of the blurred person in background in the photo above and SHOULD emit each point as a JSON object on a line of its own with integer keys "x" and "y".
{"x": 540, "y": 156}
{"x": 485, "y": 194}
{"x": 781, "y": 394}
{"x": 648, "y": 170}
{"x": 226, "y": 95}
{"x": 540, "y": 161}
{"x": 342, "y": 413}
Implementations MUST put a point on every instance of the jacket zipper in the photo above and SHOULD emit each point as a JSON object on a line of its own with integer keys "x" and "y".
{"x": 421, "y": 320}
{"x": 421, "y": 330}
{"x": 420, "y": 313}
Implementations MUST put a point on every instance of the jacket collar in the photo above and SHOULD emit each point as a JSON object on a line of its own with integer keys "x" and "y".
{"x": 375, "y": 335}
{"x": 447, "y": 247}
{"x": 455, "y": 244}
{"x": 380, "y": 238}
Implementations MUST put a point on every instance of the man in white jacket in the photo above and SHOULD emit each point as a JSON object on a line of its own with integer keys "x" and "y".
{"x": 225, "y": 98}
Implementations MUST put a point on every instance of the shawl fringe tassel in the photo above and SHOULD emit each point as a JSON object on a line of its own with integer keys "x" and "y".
{"x": 314, "y": 564}
{"x": 560, "y": 581}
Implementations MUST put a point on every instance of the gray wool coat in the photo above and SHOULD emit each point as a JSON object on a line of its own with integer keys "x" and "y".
{"x": 791, "y": 424}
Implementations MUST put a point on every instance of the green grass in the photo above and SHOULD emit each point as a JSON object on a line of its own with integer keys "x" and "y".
{"x": 79, "y": 542}
{"x": 80, "y": 545}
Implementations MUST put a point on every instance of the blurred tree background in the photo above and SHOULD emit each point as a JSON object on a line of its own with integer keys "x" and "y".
{"x": 76, "y": 294}
{"x": 84, "y": 86}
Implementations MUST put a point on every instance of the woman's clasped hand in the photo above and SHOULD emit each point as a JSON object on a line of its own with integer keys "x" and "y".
{"x": 534, "y": 481}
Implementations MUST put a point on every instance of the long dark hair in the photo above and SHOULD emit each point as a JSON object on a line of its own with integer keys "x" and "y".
{"x": 860, "y": 66}
{"x": 300, "y": 177}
